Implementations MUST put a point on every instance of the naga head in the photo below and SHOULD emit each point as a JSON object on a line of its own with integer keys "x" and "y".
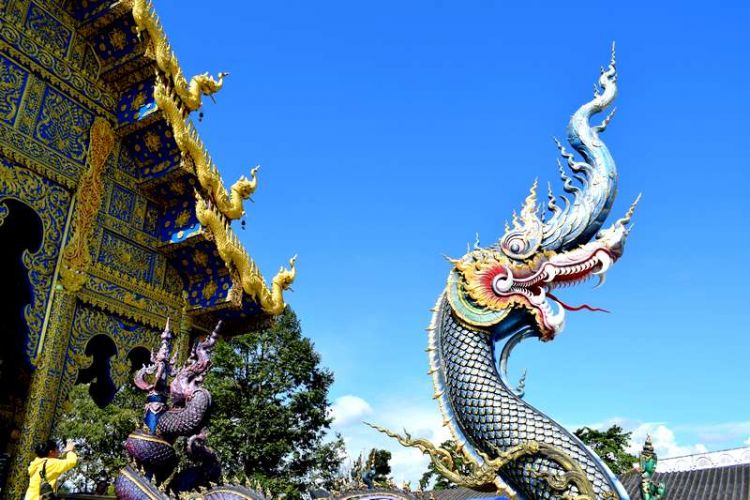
{"x": 244, "y": 187}
{"x": 537, "y": 254}
{"x": 191, "y": 376}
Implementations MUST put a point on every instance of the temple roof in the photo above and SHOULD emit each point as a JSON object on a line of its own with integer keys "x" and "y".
{"x": 164, "y": 156}
{"x": 706, "y": 460}
{"x": 729, "y": 483}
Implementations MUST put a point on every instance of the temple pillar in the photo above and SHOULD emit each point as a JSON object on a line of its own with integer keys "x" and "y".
{"x": 43, "y": 397}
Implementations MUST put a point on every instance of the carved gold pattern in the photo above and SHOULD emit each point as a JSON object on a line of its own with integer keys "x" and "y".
{"x": 51, "y": 203}
{"x": 209, "y": 290}
{"x": 48, "y": 30}
{"x": 126, "y": 257}
{"x": 13, "y": 80}
{"x": 120, "y": 294}
{"x": 245, "y": 273}
{"x": 25, "y": 50}
{"x": 31, "y": 154}
{"x": 42, "y": 401}
{"x": 77, "y": 255}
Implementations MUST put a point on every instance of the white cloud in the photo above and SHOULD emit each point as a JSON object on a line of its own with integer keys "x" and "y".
{"x": 420, "y": 417}
{"x": 349, "y": 409}
{"x": 747, "y": 441}
{"x": 664, "y": 441}
{"x": 692, "y": 438}
{"x": 721, "y": 434}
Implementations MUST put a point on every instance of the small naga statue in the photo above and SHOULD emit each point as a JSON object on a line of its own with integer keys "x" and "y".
{"x": 504, "y": 294}
{"x": 174, "y": 409}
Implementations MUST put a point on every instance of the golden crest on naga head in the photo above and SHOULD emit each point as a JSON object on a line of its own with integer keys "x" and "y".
{"x": 524, "y": 239}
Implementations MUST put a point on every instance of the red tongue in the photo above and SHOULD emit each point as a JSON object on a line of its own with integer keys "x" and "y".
{"x": 575, "y": 308}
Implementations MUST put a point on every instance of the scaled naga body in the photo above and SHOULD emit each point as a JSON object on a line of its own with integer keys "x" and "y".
{"x": 505, "y": 293}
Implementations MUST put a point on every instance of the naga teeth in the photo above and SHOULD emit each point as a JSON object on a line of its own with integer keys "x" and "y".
{"x": 606, "y": 262}
{"x": 557, "y": 321}
{"x": 602, "y": 279}
{"x": 551, "y": 273}
{"x": 538, "y": 300}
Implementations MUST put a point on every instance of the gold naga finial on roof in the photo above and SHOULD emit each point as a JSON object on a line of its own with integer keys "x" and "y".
{"x": 230, "y": 203}
{"x": 189, "y": 92}
{"x": 245, "y": 273}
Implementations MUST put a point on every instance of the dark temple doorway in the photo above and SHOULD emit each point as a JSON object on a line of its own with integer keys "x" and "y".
{"x": 138, "y": 357}
{"x": 101, "y": 389}
{"x": 21, "y": 232}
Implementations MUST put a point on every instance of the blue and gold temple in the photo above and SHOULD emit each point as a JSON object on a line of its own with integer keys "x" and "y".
{"x": 113, "y": 216}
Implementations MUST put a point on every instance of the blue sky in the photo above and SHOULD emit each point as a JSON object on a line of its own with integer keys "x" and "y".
{"x": 390, "y": 132}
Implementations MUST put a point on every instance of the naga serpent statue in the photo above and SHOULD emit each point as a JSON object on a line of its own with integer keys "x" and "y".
{"x": 503, "y": 293}
{"x": 175, "y": 409}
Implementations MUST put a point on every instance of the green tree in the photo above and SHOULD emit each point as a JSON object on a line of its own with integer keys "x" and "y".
{"x": 610, "y": 445}
{"x": 99, "y": 433}
{"x": 271, "y": 409}
{"x": 441, "y": 483}
{"x": 380, "y": 460}
{"x": 269, "y": 415}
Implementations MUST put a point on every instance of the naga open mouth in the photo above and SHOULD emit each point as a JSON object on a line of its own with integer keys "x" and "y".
{"x": 487, "y": 283}
{"x": 503, "y": 286}
{"x": 560, "y": 271}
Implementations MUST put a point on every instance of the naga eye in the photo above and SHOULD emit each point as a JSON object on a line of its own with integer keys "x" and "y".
{"x": 516, "y": 246}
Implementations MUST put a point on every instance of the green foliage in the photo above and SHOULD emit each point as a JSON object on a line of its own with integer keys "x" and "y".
{"x": 99, "y": 433}
{"x": 380, "y": 461}
{"x": 610, "y": 445}
{"x": 270, "y": 417}
{"x": 441, "y": 483}
{"x": 377, "y": 459}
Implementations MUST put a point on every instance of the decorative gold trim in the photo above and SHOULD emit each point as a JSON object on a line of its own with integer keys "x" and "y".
{"x": 77, "y": 255}
{"x": 135, "y": 481}
{"x": 158, "y": 293}
{"x": 481, "y": 476}
{"x": 484, "y": 474}
{"x": 146, "y": 437}
{"x": 189, "y": 94}
{"x": 195, "y": 155}
{"x": 33, "y": 164}
{"x": 244, "y": 271}
{"x": 64, "y": 76}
